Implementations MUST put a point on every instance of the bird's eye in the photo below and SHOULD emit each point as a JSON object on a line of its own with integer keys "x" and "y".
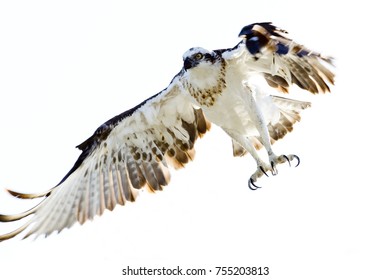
{"x": 198, "y": 56}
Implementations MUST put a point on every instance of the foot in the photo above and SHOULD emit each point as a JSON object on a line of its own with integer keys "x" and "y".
{"x": 262, "y": 168}
{"x": 275, "y": 160}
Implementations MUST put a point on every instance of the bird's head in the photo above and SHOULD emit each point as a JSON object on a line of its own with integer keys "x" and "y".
{"x": 198, "y": 57}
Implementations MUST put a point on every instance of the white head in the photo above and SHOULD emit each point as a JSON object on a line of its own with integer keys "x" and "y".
{"x": 202, "y": 67}
{"x": 198, "y": 57}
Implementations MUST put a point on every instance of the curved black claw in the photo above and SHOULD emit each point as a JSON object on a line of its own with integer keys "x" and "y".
{"x": 262, "y": 169}
{"x": 298, "y": 159}
{"x": 252, "y": 185}
{"x": 287, "y": 159}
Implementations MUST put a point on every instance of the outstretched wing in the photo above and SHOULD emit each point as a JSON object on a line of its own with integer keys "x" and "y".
{"x": 129, "y": 152}
{"x": 265, "y": 50}
{"x": 282, "y": 62}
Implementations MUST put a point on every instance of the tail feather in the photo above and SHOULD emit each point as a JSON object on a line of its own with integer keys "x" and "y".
{"x": 289, "y": 110}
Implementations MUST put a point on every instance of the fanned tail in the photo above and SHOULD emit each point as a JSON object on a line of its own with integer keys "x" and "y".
{"x": 289, "y": 114}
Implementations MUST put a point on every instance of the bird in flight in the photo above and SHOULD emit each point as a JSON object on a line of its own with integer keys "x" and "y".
{"x": 132, "y": 151}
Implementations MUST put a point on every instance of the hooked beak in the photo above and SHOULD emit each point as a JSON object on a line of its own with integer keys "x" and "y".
{"x": 188, "y": 63}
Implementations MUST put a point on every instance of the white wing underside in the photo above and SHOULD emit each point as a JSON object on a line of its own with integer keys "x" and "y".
{"x": 135, "y": 155}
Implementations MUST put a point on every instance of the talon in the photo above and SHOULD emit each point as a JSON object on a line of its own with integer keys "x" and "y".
{"x": 298, "y": 159}
{"x": 287, "y": 159}
{"x": 252, "y": 185}
{"x": 262, "y": 169}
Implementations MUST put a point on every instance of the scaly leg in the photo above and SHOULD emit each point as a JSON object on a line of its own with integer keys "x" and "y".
{"x": 261, "y": 126}
{"x": 262, "y": 167}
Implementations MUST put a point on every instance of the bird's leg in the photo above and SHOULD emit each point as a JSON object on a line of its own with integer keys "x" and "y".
{"x": 262, "y": 167}
{"x": 261, "y": 126}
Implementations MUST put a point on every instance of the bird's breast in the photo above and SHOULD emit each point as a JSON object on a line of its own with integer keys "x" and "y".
{"x": 231, "y": 111}
{"x": 206, "y": 97}
{"x": 207, "y": 84}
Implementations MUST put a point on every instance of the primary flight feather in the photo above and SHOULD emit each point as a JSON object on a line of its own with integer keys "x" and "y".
{"x": 133, "y": 150}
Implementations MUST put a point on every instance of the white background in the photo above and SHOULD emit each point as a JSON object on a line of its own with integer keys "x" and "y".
{"x": 68, "y": 66}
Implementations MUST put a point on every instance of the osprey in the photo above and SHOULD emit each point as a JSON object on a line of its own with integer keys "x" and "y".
{"x": 132, "y": 150}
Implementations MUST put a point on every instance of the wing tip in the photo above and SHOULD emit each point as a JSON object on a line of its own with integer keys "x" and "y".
{"x": 28, "y": 195}
{"x": 14, "y": 233}
{"x": 5, "y": 218}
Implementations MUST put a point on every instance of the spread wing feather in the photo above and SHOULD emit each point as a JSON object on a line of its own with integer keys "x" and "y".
{"x": 129, "y": 152}
{"x": 266, "y": 49}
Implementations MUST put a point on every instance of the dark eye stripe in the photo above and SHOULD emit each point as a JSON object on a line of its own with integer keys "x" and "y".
{"x": 206, "y": 56}
{"x": 209, "y": 57}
